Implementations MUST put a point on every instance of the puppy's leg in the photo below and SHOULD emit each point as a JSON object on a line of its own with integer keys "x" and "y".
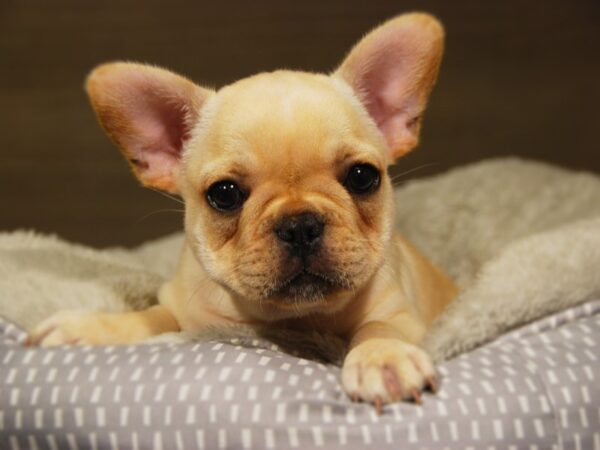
{"x": 384, "y": 363}
{"x": 78, "y": 327}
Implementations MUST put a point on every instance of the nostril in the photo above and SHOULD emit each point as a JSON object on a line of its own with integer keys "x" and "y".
{"x": 313, "y": 230}
{"x": 302, "y": 231}
{"x": 285, "y": 233}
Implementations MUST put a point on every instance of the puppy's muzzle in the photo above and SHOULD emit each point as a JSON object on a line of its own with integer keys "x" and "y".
{"x": 301, "y": 234}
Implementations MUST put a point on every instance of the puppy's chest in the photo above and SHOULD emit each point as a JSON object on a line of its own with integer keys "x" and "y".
{"x": 342, "y": 323}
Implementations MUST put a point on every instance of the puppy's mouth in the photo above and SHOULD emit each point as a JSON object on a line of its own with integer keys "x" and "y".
{"x": 306, "y": 287}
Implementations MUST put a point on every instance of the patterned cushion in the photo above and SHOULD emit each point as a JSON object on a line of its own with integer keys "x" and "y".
{"x": 536, "y": 387}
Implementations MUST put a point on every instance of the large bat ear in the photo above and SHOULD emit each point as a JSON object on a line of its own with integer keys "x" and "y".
{"x": 392, "y": 71}
{"x": 149, "y": 113}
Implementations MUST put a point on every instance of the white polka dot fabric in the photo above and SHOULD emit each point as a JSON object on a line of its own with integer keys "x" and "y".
{"x": 535, "y": 388}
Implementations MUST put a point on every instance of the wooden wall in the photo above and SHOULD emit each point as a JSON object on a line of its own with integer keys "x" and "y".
{"x": 519, "y": 77}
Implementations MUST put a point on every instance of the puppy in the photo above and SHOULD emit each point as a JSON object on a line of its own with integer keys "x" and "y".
{"x": 288, "y": 204}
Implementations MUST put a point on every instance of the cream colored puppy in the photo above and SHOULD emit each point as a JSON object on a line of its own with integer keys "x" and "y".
{"x": 289, "y": 207}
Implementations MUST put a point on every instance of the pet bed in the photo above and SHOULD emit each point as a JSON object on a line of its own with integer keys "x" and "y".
{"x": 517, "y": 349}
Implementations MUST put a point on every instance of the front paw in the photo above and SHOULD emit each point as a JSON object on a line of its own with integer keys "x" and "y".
{"x": 71, "y": 328}
{"x": 387, "y": 370}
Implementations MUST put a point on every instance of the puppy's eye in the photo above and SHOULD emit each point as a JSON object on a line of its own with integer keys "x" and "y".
{"x": 362, "y": 179}
{"x": 225, "y": 196}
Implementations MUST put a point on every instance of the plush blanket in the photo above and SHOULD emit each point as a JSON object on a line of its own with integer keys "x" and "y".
{"x": 521, "y": 238}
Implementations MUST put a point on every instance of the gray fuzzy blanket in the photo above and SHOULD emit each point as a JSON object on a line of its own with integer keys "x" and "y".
{"x": 522, "y": 239}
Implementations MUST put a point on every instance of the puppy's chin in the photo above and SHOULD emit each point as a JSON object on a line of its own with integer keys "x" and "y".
{"x": 308, "y": 294}
{"x": 306, "y": 288}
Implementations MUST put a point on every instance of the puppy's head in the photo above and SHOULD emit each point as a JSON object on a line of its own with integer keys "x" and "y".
{"x": 284, "y": 174}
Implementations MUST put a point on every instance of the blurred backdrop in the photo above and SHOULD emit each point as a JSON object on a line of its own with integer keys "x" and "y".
{"x": 519, "y": 78}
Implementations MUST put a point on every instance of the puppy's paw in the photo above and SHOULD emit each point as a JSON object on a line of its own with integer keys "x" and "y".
{"x": 387, "y": 370}
{"x": 72, "y": 327}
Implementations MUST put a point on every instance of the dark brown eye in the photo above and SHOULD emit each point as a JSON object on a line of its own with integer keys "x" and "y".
{"x": 225, "y": 196}
{"x": 362, "y": 179}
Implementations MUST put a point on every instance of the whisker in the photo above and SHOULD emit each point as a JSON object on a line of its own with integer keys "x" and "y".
{"x": 414, "y": 169}
{"x": 159, "y": 211}
{"x": 193, "y": 294}
{"x": 164, "y": 194}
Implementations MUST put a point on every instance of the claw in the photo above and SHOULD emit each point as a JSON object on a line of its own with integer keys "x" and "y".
{"x": 27, "y": 342}
{"x": 37, "y": 338}
{"x": 416, "y": 395}
{"x": 432, "y": 384}
{"x": 378, "y": 405}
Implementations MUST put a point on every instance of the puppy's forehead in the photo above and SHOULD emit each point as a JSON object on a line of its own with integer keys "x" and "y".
{"x": 285, "y": 115}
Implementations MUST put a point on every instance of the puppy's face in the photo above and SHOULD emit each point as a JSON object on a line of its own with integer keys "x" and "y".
{"x": 284, "y": 174}
{"x": 288, "y": 199}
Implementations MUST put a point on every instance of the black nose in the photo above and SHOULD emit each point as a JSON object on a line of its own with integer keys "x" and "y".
{"x": 301, "y": 233}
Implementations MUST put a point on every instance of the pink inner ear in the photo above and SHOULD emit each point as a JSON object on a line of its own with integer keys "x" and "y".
{"x": 391, "y": 96}
{"x": 161, "y": 131}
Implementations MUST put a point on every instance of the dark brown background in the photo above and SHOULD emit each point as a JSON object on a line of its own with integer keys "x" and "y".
{"x": 519, "y": 77}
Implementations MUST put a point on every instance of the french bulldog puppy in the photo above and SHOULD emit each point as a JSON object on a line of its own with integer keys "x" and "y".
{"x": 288, "y": 204}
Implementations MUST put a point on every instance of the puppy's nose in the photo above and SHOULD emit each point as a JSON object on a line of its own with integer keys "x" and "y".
{"x": 300, "y": 233}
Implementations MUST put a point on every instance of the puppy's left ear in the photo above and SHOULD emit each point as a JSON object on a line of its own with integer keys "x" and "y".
{"x": 392, "y": 71}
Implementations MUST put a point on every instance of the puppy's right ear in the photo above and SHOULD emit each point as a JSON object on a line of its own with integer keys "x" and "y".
{"x": 149, "y": 113}
{"x": 392, "y": 70}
